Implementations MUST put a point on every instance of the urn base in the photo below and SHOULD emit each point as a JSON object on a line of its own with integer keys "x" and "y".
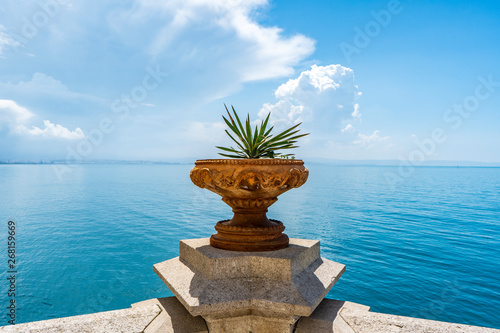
{"x": 250, "y": 239}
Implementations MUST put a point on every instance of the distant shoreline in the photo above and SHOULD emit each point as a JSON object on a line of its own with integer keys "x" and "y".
{"x": 86, "y": 162}
{"x": 340, "y": 163}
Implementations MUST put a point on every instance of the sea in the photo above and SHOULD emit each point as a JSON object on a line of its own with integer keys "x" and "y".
{"x": 424, "y": 243}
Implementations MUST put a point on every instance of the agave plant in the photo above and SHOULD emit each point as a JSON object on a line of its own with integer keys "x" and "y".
{"x": 259, "y": 143}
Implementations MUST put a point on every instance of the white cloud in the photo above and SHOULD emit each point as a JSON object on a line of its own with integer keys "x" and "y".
{"x": 325, "y": 99}
{"x": 318, "y": 79}
{"x": 6, "y": 40}
{"x": 17, "y": 116}
{"x": 204, "y": 131}
{"x": 44, "y": 85}
{"x": 11, "y": 112}
{"x": 51, "y": 131}
{"x": 283, "y": 112}
{"x": 355, "y": 113}
{"x": 44, "y": 82}
{"x": 348, "y": 129}
{"x": 218, "y": 34}
{"x": 323, "y": 96}
{"x": 370, "y": 141}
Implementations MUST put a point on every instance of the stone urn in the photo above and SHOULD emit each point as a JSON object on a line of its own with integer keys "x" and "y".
{"x": 249, "y": 186}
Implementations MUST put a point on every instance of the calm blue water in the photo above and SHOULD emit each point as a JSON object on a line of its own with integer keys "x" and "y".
{"x": 429, "y": 248}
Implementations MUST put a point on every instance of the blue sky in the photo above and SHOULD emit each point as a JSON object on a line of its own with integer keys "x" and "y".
{"x": 146, "y": 80}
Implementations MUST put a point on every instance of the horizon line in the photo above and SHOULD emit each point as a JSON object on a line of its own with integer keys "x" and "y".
{"x": 339, "y": 162}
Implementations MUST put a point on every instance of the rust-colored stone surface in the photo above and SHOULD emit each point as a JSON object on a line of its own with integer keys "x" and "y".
{"x": 249, "y": 187}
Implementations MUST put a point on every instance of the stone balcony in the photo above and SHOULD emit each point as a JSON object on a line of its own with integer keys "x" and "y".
{"x": 221, "y": 291}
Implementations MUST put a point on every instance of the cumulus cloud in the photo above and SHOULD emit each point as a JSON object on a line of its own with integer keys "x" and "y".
{"x": 51, "y": 131}
{"x": 43, "y": 82}
{"x": 11, "y": 112}
{"x": 325, "y": 99}
{"x": 284, "y": 112}
{"x": 323, "y": 96}
{"x": 319, "y": 79}
{"x": 17, "y": 116}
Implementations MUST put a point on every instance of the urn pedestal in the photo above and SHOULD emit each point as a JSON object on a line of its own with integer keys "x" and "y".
{"x": 249, "y": 187}
{"x": 241, "y": 292}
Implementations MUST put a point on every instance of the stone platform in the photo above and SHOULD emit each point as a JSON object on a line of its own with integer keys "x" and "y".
{"x": 167, "y": 315}
{"x": 250, "y": 291}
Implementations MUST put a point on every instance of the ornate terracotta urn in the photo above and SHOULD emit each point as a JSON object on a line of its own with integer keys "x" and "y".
{"x": 249, "y": 186}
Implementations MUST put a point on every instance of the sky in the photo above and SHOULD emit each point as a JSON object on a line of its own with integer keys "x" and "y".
{"x": 414, "y": 81}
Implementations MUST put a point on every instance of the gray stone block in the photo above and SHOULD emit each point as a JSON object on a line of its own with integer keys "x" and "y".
{"x": 249, "y": 291}
{"x": 333, "y": 316}
{"x": 372, "y": 322}
{"x": 173, "y": 317}
{"x": 326, "y": 318}
{"x": 216, "y": 263}
{"x": 118, "y": 321}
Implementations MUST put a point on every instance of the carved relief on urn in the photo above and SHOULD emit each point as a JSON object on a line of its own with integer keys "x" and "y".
{"x": 249, "y": 186}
